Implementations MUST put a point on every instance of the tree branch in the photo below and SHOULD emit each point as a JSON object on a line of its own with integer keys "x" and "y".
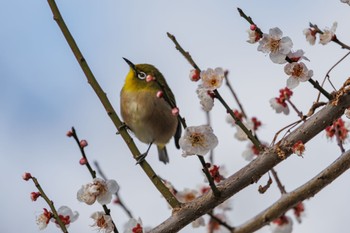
{"x": 287, "y": 201}
{"x": 255, "y": 169}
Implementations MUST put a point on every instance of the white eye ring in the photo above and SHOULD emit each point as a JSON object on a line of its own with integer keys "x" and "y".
{"x": 141, "y": 75}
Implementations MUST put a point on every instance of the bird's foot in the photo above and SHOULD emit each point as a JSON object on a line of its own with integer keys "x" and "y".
{"x": 141, "y": 158}
{"x": 122, "y": 127}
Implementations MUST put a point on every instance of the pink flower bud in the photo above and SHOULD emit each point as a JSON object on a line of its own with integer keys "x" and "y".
{"x": 159, "y": 94}
{"x": 34, "y": 195}
{"x": 26, "y": 176}
{"x": 69, "y": 133}
{"x": 149, "y": 78}
{"x": 83, "y": 143}
{"x": 253, "y": 27}
{"x": 175, "y": 111}
{"x": 194, "y": 75}
{"x": 82, "y": 161}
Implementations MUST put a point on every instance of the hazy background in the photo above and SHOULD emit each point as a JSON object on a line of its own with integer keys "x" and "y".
{"x": 43, "y": 93}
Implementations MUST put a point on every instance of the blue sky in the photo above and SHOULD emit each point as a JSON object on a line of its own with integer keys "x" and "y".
{"x": 44, "y": 92}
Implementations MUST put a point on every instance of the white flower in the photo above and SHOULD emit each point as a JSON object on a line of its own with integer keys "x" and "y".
{"x": 347, "y": 111}
{"x": 43, "y": 219}
{"x": 346, "y": 1}
{"x": 187, "y": 195}
{"x": 216, "y": 227}
{"x": 99, "y": 189}
{"x": 298, "y": 73}
{"x": 328, "y": 34}
{"x": 66, "y": 215}
{"x": 198, "y": 140}
{"x": 133, "y": 226}
{"x": 310, "y": 34}
{"x": 253, "y": 36}
{"x": 240, "y": 134}
{"x": 279, "y": 106}
{"x": 297, "y": 55}
{"x": 103, "y": 222}
{"x": 283, "y": 224}
{"x": 199, "y": 222}
{"x": 277, "y": 46}
{"x": 212, "y": 79}
{"x": 206, "y": 100}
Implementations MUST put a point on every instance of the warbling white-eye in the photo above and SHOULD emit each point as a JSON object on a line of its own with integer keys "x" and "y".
{"x": 145, "y": 113}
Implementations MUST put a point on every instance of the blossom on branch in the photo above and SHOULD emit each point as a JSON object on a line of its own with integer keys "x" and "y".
{"x": 279, "y": 103}
{"x": 66, "y": 215}
{"x": 43, "y": 219}
{"x": 298, "y": 73}
{"x": 337, "y": 129}
{"x": 283, "y": 224}
{"x": 133, "y": 226}
{"x": 198, "y": 140}
{"x": 99, "y": 190}
{"x": 206, "y": 98}
{"x": 103, "y": 222}
{"x": 310, "y": 34}
{"x": 276, "y": 45}
{"x": 212, "y": 79}
{"x": 328, "y": 34}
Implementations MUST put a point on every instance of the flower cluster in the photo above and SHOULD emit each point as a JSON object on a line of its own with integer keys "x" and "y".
{"x": 65, "y": 214}
{"x": 99, "y": 190}
{"x": 326, "y": 36}
{"x": 298, "y": 148}
{"x": 279, "y": 103}
{"x": 198, "y": 140}
{"x": 211, "y": 80}
{"x": 338, "y": 129}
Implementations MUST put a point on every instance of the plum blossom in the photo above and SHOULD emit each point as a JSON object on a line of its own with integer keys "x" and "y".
{"x": 103, "y": 222}
{"x": 276, "y": 45}
{"x": 299, "y": 211}
{"x": 215, "y": 226}
{"x": 253, "y": 35}
{"x": 66, "y": 215}
{"x": 186, "y": 195}
{"x": 199, "y": 222}
{"x": 198, "y": 140}
{"x": 133, "y": 226}
{"x": 279, "y": 103}
{"x": 43, "y": 219}
{"x": 298, "y": 148}
{"x": 328, "y": 34}
{"x": 212, "y": 79}
{"x": 310, "y": 34}
{"x": 282, "y": 224}
{"x": 338, "y": 129}
{"x": 99, "y": 190}
{"x": 194, "y": 75}
{"x": 206, "y": 98}
{"x": 298, "y": 73}
{"x": 251, "y": 152}
{"x": 297, "y": 55}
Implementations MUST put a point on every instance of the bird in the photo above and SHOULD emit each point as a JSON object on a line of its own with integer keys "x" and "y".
{"x": 145, "y": 112}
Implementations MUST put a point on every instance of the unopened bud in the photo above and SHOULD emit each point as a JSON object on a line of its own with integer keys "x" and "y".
{"x": 160, "y": 94}
{"x": 83, "y": 143}
{"x": 69, "y": 133}
{"x": 194, "y": 75}
{"x": 175, "y": 111}
{"x": 253, "y": 27}
{"x": 34, "y": 195}
{"x": 26, "y": 176}
{"x": 82, "y": 161}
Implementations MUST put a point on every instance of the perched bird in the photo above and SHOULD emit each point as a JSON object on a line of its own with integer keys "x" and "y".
{"x": 145, "y": 112}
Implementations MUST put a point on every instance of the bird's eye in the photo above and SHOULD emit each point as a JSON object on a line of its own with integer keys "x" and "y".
{"x": 141, "y": 75}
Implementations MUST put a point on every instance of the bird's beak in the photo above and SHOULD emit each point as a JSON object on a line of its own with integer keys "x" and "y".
{"x": 132, "y": 66}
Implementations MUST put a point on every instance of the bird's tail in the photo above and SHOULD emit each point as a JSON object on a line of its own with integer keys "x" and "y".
{"x": 163, "y": 154}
